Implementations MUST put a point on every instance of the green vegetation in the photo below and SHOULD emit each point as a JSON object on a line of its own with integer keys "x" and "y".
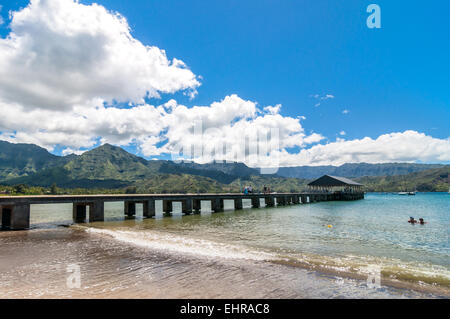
{"x": 18, "y": 160}
{"x": 276, "y": 184}
{"x": 31, "y": 170}
{"x": 179, "y": 183}
{"x": 19, "y": 190}
{"x": 112, "y": 167}
{"x": 434, "y": 180}
{"x": 355, "y": 170}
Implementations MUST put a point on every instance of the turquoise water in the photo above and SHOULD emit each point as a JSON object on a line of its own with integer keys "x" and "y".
{"x": 339, "y": 237}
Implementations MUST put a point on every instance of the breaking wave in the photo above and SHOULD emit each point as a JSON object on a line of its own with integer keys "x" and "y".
{"x": 392, "y": 271}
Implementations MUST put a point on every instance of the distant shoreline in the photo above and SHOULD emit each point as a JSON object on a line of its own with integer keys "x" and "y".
{"x": 121, "y": 193}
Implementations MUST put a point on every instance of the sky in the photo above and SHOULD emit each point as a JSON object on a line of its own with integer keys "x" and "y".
{"x": 310, "y": 75}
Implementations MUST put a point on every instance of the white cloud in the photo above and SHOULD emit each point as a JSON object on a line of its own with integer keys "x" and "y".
{"x": 61, "y": 53}
{"x": 63, "y": 60}
{"x": 225, "y": 122}
{"x": 322, "y": 98}
{"x": 273, "y": 109}
{"x": 345, "y": 112}
{"x": 409, "y": 146}
{"x": 313, "y": 138}
{"x": 81, "y": 127}
{"x": 69, "y": 151}
{"x": 342, "y": 133}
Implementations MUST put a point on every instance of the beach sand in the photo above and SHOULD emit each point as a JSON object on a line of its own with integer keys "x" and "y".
{"x": 39, "y": 263}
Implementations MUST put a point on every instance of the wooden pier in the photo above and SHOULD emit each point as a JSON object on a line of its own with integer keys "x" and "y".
{"x": 15, "y": 210}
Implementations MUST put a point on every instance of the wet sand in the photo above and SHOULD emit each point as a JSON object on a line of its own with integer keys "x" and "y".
{"x": 34, "y": 264}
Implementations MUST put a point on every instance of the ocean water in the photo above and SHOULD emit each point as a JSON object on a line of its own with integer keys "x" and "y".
{"x": 320, "y": 250}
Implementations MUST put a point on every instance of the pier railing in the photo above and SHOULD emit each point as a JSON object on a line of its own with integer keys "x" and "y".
{"x": 15, "y": 210}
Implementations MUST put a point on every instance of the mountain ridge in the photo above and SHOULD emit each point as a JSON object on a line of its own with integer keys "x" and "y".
{"x": 355, "y": 170}
{"x": 112, "y": 167}
{"x": 23, "y": 159}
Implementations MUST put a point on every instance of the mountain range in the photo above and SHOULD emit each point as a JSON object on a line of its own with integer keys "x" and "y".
{"x": 355, "y": 170}
{"x": 111, "y": 167}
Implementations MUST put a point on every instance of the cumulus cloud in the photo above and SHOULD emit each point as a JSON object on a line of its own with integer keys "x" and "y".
{"x": 273, "y": 109}
{"x": 408, "y": 146}
{"x": 82, "y": 127}
{"x": 345, "y": 112}
{"x": 230, "y": 129}
{"x": 69, "y": 151}
{"x": 61, "y": 53}
{"x": 65, "y": 67}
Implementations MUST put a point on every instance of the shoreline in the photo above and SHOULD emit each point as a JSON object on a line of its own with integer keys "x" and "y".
{"x": 438, "y": 291}
{"x": 184, "y": 275}
{"x": 121, "y": 193}
{"x": 289, "y": 247}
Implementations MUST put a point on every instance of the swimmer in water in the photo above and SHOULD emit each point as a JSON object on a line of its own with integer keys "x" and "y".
{"x": 412, "y": 221}
{"x": 422, "y": 221}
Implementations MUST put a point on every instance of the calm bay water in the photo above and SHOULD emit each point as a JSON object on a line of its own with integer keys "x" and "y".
{"x": 320, "y": 250}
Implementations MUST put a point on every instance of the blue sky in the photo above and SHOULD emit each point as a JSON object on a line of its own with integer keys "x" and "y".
{"x": 392, "y": 79}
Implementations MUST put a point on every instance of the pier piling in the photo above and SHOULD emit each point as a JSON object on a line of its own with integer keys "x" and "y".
{"x": 281, "y": 201}
{"x": 238, "y": 204}
{"x": 96, "y": 211}
{"x": 196, "y": 206}
{"x": 217, "y": 205}
{"x": 167, "y": 207}
{"x": 130, "y": 208}
{"x": 149, "y": 208}
{"x": 15, "y": 217}
{"x": 186, "y": 207}
{"x": 15, "y": 210}
{"x": 269, "y": 201}
{"x": 256, "y": 203}
{"x": 79, "y": 213}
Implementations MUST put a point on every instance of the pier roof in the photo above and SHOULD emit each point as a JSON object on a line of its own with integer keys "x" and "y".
{"x": 328, "y": 180}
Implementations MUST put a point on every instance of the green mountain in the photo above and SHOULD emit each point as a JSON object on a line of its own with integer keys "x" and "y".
{"x": 18, "y": 160}
{"x": 355, "y": 170}
{"x": 276, "y": 184}
{"x": 222, "y": 172}
{"x": 60, "y": 176}
{"x": 233, "y": 169}
{"x": 171, "y": 168}
{"x": 104, "y": 167}
{"x": 112, "y": 168}
{"x": 433, "y": 180}
{"x": 109, "y": 162}
{"x": 179, "y": 184}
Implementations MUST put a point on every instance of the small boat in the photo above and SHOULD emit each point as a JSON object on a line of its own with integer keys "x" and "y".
{"x": 412, "y": 194}
{"x": 403, "y": 193}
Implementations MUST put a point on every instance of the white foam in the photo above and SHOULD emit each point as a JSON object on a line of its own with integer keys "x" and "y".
{"x": 182, "y": 245}
{"x": 166, "y": 242}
